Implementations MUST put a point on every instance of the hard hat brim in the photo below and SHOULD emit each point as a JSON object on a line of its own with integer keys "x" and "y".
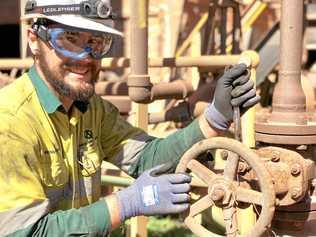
{"x": 78, "y": 22}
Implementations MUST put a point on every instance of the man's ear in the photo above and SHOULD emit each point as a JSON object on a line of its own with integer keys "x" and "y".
{"x": 33, "y": 42}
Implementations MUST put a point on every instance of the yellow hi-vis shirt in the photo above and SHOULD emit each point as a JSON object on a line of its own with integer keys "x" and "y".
{"x": 50, "y": 159}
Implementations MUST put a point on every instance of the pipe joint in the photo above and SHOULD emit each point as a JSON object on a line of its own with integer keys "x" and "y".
{"x": 250, "y": 58}
{"x": 139, "y": 81}
{"x": 139, "y": 88}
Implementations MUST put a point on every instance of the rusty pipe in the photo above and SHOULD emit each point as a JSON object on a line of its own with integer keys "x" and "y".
{"x": 288, "y": 95}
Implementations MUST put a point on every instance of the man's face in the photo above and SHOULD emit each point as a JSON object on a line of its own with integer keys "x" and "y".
{"x": 70, "y": 78}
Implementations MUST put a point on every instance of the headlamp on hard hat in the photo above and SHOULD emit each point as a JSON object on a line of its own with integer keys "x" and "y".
{"x": 100, "y": 9}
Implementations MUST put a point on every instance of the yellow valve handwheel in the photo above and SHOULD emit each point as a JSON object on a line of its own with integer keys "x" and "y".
{"x": 225, "y": 192}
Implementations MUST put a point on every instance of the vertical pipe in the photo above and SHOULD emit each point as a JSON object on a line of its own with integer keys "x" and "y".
{"x": 209, "y": 28}
{"x": 237, "y": 35}
{"x": 288, "y": 95}
{"x": 246, "y": 213}
{"x": 23, "y": 33}
{"x": 139, "y": 37}
{"x": 223, "y": 29}
{"x": 139, "y": 80}
{"x": 139, "y": 83}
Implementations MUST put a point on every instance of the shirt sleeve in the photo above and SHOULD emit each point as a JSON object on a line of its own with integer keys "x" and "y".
{"x": 169, "y": 149}
{"x": 121, "y": 142}
{"x": 24, "y": 207}
{"x": 92, "y": 220}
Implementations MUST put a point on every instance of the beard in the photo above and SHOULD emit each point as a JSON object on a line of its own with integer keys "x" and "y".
{"x": 55, "y": 78}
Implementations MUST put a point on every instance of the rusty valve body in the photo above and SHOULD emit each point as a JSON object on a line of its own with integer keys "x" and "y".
{"x": 289, "y": 171}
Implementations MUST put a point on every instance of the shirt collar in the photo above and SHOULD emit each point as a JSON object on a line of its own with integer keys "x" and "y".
{"x": 47, "y": 98}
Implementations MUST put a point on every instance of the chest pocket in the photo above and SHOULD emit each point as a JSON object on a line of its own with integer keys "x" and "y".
{"x": 89, "y": 158}
{"x": 54, "y": 170}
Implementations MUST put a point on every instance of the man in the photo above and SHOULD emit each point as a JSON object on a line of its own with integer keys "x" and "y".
{"x": 55, "y": 132}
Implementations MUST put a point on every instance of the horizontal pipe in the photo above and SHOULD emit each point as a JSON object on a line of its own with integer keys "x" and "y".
{"x": 199, "y": 108}
{"x": 114, "y": 63}
{"x": 180, "y": 113}
{"x": 111, "y": 88}
{"x": 178, "y": 89}
{"x": 124, "y": 182}
{"x": 116, "y": 180}
{"x": 122, "y": 102}
{"x": 201, "y": 61}
{"x": 10, "y": 63}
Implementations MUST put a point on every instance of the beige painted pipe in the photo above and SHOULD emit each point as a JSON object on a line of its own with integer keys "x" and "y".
{"x": 113, "y": 63}
{"x": 179, "y": 89}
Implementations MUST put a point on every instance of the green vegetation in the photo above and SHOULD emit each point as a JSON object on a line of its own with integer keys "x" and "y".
{"x": 159, "y": 227}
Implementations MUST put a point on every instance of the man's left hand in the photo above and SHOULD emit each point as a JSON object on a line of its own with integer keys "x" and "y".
{"x": 234, "y": 88}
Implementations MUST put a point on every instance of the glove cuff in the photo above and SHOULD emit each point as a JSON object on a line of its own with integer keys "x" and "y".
{"x": 215, "y": 118}
{"x": 127, "y": 198}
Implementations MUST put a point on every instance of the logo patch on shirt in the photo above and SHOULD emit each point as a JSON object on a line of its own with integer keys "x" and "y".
{"x": 88, "y": 134}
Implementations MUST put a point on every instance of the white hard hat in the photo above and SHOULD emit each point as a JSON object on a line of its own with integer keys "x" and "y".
{"x": 83, "y": 14}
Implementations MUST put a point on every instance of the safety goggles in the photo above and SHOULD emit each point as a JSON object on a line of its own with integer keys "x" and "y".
{"x": 76, "y": 44}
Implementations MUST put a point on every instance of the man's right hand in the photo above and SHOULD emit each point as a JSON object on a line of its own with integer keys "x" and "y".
{"x": 155, "y": 193}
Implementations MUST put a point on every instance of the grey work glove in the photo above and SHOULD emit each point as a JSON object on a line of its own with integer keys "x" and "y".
{"x": 234, "y": 88}
{"x": 155, "y": 193}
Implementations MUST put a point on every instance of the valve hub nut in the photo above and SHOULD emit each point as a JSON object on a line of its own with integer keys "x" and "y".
{"x": 296, "y": 193}
{"x": 275, "y": 156}
{"x": 224, "y": 155}
{"x": 218, "y": 194}
{"x": 295, "y": 169}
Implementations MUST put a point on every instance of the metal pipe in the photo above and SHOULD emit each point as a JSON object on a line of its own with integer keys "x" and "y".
{"x": 209, "y": 29}
{"x": 139, "y": 85}
{"x": 288, "y": 95}
{"x": 223, "y": 30}
{"x": 114, "y": 63}
{"x": 178, "y": 89}
{"x": 124, "y": 181}
{"x": 180, "y": 113}
{"x": 122, "y": 102}
{"x": 237, "y": 35}
{"x": 111, "y": 88}
{"x": 8, "y": 64}
{"x": 116, "y": 180}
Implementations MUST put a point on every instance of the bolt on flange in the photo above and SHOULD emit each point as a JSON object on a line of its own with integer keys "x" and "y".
{"x": 296, "y": 169}
{"x": 296, "y": 193}
{"x": 275, "y": 156}
{"x": 224, "y": 155}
